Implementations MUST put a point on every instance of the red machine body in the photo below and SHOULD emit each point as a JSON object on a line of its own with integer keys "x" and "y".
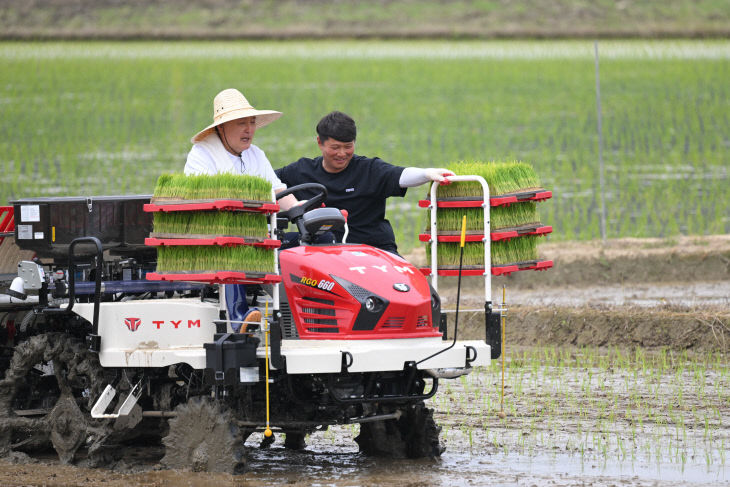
{"x": 355, "y": 291}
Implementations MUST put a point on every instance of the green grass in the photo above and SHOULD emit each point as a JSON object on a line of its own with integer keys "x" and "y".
{"x": 218, "y": 186}
{"x": 110, "y": 118}
{"x": 219, "y": 223}
{"x": 214, "y": 258}
{"x": 502, "y": 252}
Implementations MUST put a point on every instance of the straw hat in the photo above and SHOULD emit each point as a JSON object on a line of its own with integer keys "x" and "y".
{"x": 230, "y": 105}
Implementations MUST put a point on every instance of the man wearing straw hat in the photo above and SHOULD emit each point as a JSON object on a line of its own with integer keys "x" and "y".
{"x": 225, "y": 146}
{"x": 356, "y": 183}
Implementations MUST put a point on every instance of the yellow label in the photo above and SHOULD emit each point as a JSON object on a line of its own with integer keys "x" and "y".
{"x": 53, "y": 234}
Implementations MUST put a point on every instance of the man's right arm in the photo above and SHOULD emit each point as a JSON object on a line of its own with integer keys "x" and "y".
{"x": 415, "y": 176}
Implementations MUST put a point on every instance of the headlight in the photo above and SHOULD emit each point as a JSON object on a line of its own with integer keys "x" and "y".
{"x": 371, "y": 304}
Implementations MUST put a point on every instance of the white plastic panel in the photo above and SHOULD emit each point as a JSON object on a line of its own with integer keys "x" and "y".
{"x": 325, "y": 356}
{"x": 153, "y": 333}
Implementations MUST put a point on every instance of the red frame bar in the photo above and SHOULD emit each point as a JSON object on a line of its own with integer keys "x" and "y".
{"x": 497, "y": 270}
{"x": 219, "y": 277}
{"x": 495, "y": 236}
{"x": 222, "y": 241}
{"x": 505, "y": 200}
{"x": 7, "y": 221}
{"x": 228, "y": 205}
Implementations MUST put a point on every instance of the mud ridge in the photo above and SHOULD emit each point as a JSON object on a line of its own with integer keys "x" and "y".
{"x": 678, "y": 329}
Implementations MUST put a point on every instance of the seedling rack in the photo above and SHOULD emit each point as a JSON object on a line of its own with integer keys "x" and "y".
{"x": 486, "y": 236}
{"x": 502, "y": 200}
{"x": 501, "y": 234}
{"x": 219, "y": 277}
{"x": 220, "y": 241}
{"x": 266, "y": 207}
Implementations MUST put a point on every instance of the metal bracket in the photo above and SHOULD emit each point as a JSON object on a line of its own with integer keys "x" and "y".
{"x": 106, "y": 397}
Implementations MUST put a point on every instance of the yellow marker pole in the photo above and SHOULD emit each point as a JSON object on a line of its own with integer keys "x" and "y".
{"x": 267, "y": 431}
{"x": 463, "y": 231}
{"x": 502, "y": 414}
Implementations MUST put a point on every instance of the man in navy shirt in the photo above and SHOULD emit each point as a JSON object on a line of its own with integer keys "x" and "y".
{"x": 355, "y": 183}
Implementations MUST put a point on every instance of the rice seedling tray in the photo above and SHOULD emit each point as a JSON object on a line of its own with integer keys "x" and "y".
{"x": 497, "y": 270}
{"x": 216, "y": 277}
{"x": 478, "y": 236}
{"x": 501, "y": 200}
{"x": 220, "y": 241}
{"x": 212, "y": 205}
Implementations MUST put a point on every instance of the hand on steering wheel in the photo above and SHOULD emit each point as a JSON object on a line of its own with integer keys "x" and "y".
{"x": 295, "y": 212}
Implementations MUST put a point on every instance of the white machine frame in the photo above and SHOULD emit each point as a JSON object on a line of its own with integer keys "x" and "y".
{"x": 433, "y": 207}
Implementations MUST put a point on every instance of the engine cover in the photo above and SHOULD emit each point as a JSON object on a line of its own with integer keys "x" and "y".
{"x": 355, "y": 291}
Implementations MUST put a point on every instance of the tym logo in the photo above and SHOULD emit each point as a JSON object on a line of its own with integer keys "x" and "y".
{"x": 382, "y": 268}
{"x": 132, "y": 323}
{"x": 175, "y": 323}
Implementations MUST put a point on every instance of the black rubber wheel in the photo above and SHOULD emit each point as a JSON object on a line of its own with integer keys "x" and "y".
{"x": 294, "y": 440}
{"x": 204, "y": 437}
{"x": 47, "y": 394}
{"x": 413, "y": 435}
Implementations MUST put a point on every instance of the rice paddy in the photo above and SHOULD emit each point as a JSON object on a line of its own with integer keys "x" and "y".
{"x": 663, "y": 408}
{"x": 84, "y": 118}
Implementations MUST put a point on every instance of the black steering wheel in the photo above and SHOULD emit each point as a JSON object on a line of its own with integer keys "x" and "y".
{"x": 295, "y": 212}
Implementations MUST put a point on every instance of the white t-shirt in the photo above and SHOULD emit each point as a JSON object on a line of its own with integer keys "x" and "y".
{"x": 253, "y": 161}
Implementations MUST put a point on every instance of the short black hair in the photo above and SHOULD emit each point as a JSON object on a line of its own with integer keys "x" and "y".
{"x": 337, "y": 125}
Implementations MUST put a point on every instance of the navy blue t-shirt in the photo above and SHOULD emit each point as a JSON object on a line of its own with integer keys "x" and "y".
{"x": 361, "y": 189}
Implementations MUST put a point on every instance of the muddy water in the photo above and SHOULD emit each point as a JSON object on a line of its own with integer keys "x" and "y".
{"x": 573, "y": 417}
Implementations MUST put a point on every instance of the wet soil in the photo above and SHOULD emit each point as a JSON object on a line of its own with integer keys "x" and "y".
{"x": 573, "y": 416}
{"x": 617, "y": 372}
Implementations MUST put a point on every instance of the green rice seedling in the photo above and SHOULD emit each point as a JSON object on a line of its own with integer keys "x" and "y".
{"x": 502, "y": 252}
{"x": 170, "y": 186}
{"x": 449, "y": 219}
{"x": 232, "y": 186}
{"x": 213, "y": 223}
{"x": 217, "y": 186}
{"x": 242, "y": 258}
{"x": 176, "y": 222}
{"x": 163, "y": 184}
{"x": 501, "y": 177}
{"x": 192, "y": 187}
{"x": 176, "y": 259}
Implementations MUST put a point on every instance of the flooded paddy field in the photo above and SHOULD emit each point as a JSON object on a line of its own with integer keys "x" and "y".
{"x": 573, "y": 416}
{"x": 611, "y": 378}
